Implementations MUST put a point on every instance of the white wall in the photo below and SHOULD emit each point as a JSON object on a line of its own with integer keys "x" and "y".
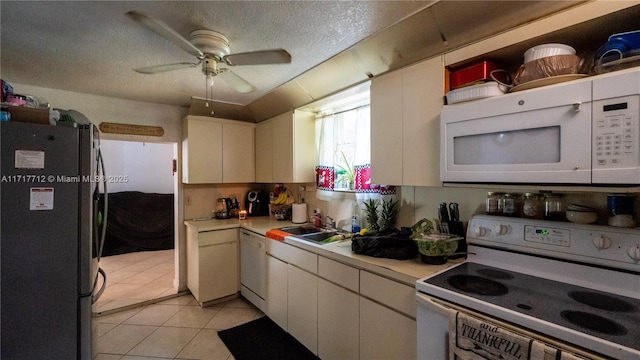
{"x": 145, "y": 167}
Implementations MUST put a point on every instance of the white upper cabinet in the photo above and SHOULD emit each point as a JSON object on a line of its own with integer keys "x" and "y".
{"x": 217, "y": 151}
{"x": 285, "y": 148}
{"x": 238, "y": 161}
{"x": 405, "y": 125}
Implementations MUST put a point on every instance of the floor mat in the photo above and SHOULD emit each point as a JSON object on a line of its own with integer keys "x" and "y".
{"x": 262, "y": 339}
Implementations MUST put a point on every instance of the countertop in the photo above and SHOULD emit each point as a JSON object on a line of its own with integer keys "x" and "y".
{"x": 404, "y": 271}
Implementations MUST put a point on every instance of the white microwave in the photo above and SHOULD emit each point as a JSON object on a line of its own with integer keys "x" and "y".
{"x": 584, "y": 131}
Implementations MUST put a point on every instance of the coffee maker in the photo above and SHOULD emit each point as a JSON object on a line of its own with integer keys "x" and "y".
{"x": 223, "y": 208}
{"x": 257, "y": 203}
{"x": 226, "y": 208}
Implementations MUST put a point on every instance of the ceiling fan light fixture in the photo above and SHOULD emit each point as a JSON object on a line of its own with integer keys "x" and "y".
{"x": 210, "y": 42}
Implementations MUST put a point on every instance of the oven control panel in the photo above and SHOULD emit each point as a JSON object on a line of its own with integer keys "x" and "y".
{"x": 547, "y": 235}
{"x": 592, "y": 244}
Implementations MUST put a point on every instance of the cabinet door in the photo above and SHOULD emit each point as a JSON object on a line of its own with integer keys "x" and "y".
{"x": 219, "y": 271}
{"x": 386, "y": 129}
{"x": 264, "y": 152}
{"x": 302, "y": 317}
{"x": 423, "y": 88}
{"x": 385, "y": 334}
{"x": 276, "y": 300}
{"x": 283, "y": 148}
{"x": 238, "y": 156}
{"x": 338, "y": 322}
{"x": 201, "y": 151}
{"x": 304, "y": 148}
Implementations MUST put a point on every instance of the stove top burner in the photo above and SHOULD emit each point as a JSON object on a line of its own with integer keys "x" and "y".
{"x": 594, "y": 322}
{"x": 493, "y": 291}
{"x": 495, "y": 274}
{"x": 477, "y": 285}
{"x": 602, "y": 301}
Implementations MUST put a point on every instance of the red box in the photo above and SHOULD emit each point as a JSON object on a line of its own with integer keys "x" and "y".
{"x": 480, "y": 72}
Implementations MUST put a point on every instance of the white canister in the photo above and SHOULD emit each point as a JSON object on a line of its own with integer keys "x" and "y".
{"x": 299, "y": 213}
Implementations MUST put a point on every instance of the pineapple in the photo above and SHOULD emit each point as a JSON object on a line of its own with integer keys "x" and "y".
{"x": 371, "y": 210}
{"x": 388, "y": 215}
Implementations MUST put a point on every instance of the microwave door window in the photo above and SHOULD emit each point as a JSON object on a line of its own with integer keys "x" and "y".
{"x": 526, "y": 146}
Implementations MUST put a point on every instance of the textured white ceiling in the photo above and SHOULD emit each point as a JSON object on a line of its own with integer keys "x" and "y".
{"x": 92, "y": 46}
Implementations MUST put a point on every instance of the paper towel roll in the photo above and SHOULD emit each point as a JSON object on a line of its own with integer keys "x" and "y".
{"x": 299, "y": 213}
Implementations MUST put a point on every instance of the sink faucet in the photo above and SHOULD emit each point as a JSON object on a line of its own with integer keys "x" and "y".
{"x": 329, "y": 222}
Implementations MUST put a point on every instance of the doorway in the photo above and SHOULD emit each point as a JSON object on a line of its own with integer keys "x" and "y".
{"x": 139, "y": 253}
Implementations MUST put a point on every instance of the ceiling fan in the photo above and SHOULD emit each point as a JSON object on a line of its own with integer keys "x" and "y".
{"x": 211, "y": 49}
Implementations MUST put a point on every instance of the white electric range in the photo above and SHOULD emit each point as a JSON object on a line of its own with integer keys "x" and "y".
{"x": 563, "y": 290}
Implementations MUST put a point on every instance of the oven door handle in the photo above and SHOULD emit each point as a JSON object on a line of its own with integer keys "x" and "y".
{"x": 431, "y": 304}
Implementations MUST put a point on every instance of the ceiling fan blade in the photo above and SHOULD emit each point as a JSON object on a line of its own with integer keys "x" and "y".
{"x": 164, "y": 68}
{"x": 166, "y": 32}
{"x": 262, "y": 57}
{"x": 237, "y": 83}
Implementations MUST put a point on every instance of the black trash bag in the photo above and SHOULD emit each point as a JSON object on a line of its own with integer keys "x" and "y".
{"x": 392, "y": 244}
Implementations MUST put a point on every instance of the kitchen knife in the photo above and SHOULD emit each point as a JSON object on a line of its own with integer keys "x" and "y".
{"x": 454, "y": 212}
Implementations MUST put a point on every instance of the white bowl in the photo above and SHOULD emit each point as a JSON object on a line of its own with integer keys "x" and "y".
{"x": 545, "y": 50}
{"x": 582, "y": 217}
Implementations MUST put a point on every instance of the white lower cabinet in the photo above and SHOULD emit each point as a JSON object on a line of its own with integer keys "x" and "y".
{"x": 213, "y": 269}
{"x": 302, "y": 313}
{"x": 388, "y": 328}
{"x": 336, "y": 310}
{"x": 386, "y": 334}
{"x": 338, "y": 322}
{"x": 276, "y": 299}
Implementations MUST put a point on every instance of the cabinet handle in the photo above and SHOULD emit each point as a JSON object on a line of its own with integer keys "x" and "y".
{"x": 576, "y": 106}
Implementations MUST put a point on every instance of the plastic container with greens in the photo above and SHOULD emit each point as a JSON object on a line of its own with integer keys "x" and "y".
{"x": 435, "y": 248}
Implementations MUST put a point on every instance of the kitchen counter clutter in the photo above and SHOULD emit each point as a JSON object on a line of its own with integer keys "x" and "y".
{"x": 405, "y": 271}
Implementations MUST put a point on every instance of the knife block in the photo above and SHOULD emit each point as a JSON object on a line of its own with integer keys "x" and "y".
{"x": 457, "y": 228}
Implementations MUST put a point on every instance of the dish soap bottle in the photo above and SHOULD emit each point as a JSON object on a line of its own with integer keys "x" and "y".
{"x": 355, "y": 220}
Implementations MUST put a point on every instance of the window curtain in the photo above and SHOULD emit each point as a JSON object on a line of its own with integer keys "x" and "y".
{"x": 344, "y": 154}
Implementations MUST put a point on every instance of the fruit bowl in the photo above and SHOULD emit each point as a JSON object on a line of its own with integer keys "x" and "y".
{"x": 436, "y": 248}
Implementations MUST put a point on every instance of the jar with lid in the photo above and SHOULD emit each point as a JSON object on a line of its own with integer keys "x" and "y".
{"x": 553, "y": 209}
{"x": 532, "y": 206}
{"x": 512, "y": 204}
{"x": 494, "y": 203}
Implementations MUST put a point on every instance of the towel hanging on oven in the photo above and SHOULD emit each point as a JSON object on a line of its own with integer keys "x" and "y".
{"x": 475, "y": 339}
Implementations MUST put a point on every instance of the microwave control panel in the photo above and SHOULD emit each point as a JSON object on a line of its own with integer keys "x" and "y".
{"x": 616, "y": 132}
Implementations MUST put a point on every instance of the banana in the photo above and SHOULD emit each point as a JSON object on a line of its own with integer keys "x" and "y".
{"x": 282, "y": 199}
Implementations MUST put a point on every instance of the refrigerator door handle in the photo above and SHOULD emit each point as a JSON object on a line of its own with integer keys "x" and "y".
{"x": 97, "y": 295}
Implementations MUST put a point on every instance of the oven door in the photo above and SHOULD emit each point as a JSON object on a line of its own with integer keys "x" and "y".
{"x": 441, "y": 336}
{"x": 535, "y": 136}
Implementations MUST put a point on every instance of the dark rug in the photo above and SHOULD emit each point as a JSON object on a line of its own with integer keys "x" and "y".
{"x": 263, "y": 339}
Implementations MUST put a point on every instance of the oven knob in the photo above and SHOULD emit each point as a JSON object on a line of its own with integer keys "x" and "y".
{"x": 501, "y": 229}
{"x": 480, "y": 231}
{"x": 634, "y": 253}
{"x": 602, "y": 242}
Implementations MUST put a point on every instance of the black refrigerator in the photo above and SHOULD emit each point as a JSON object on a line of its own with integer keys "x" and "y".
{"x": 51, "y": 236}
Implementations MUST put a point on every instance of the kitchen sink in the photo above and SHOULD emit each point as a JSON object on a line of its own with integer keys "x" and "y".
{"x": 310, "y": 233}
{"x": 301, "y": 230}
{"x": 319, "y": 237}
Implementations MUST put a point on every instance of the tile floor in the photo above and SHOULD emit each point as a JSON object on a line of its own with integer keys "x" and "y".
{"x": 135, "y": 278}
{"x": 177, "y": 328}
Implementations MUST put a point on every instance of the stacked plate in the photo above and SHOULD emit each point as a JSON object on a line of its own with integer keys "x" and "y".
{"x": 581, "y": 214}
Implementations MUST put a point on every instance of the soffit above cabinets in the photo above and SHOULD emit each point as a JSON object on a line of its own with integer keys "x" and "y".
{"x": 441, "y": 27}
